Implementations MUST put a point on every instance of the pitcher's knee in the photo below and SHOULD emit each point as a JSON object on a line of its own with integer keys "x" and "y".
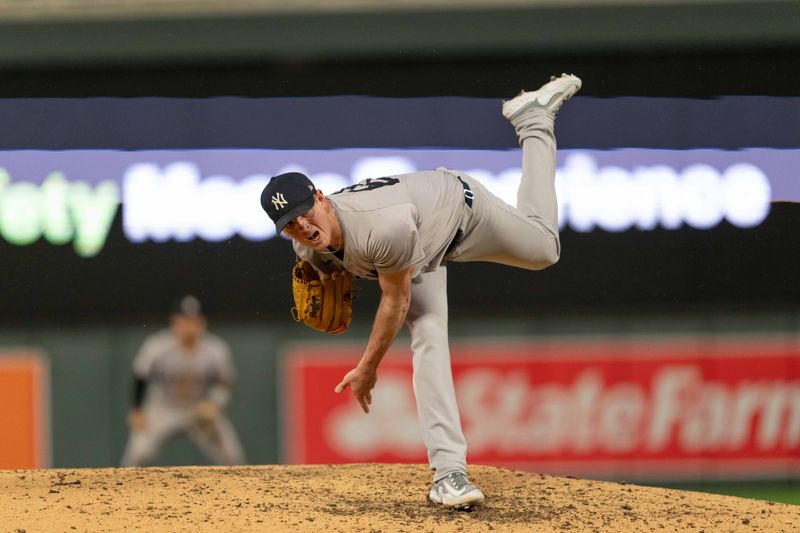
{"x": 553, "y": 257}
{"x": 429, "y": 327}
{"x": 547, "y": 257}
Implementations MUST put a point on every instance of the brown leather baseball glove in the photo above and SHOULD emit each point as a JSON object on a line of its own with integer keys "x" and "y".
{"x": 322, "y": 301}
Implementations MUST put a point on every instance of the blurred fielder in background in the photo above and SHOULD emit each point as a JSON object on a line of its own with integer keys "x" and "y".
{"x": 182, "y": 383}
{"x": 402, "y": 230}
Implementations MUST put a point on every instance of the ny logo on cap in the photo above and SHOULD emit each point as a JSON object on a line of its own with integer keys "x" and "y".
{"x": 278, "y": 201}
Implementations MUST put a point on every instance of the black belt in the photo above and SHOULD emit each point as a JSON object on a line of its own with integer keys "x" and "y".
{"x": 468, "y": 194}
{"x": 455, "y": 242}
{"x": 468, "y": 197}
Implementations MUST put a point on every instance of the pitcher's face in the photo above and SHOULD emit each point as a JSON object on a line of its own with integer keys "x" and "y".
{"x": 315, "y": 228}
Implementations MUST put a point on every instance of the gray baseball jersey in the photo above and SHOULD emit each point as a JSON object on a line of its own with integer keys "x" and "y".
{"x": 178, "y": 378}
{"x": 394, "y": 222}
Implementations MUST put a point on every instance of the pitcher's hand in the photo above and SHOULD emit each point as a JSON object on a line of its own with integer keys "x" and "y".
{"x": 361, "y": 381}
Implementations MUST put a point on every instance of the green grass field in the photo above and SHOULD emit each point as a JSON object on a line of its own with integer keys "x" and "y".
{"x": 776, "y": 491}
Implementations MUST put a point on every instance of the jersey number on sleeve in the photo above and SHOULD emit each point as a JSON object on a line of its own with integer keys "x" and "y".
{"x": 370, "y": 184}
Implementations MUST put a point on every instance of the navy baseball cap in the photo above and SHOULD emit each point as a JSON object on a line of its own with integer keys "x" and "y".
{"x": 287, "y": 196}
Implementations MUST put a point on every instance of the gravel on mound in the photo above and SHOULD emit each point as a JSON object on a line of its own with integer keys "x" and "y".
{"x": 367, "y": 498}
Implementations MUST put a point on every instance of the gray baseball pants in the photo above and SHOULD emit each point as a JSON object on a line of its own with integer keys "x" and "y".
{"x": 525, "y": 236}
{"x": 164, "y": 421}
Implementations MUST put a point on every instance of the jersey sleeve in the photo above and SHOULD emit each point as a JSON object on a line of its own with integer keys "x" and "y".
{"x": 225, "y": 370}
{"x": 145, "y": 358}
{"x": 394, "y": 242}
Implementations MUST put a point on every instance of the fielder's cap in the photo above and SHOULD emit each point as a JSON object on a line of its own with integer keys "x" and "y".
{"x": 286, "y": 196}
{"x": 187, "y": 306}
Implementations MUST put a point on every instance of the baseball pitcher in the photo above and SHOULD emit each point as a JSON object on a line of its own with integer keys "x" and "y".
{"x": 182, "y": 384}
{"x": 402, "y": 231}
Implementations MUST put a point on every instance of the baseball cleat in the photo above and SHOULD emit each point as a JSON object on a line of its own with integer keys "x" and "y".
{"x": 456, "y": 491}
{"x": 550, "y": 96}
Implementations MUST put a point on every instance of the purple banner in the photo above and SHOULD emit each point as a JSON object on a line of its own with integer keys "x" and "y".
{"x": 781, "y": 166}
{"x": 213, "y": 194}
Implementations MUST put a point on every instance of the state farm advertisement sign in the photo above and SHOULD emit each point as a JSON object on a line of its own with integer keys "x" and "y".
{"x": 635, "y": 409}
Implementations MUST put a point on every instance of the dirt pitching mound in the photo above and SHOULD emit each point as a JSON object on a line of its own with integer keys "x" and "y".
{"x": 367, "y": 498}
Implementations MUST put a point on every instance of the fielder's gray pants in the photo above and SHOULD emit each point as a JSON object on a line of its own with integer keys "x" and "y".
{"x": 163, "y": 422}
{"x": 525, "y": 236}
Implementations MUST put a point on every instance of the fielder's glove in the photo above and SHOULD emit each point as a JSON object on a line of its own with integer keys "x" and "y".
{"x": 205, "y": 420}
{"x": 321, "y": 301}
